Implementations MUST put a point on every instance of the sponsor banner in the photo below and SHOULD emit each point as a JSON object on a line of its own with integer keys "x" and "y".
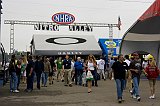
{"x": 80, "y": 28}
{"x": 110, "y": 46}
{"x": 67, "y": 52}
{"x": 46, "y": 27}
{"x": 70, "y": 53}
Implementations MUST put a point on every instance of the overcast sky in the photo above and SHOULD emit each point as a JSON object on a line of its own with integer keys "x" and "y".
{"x": 100, "y": 11}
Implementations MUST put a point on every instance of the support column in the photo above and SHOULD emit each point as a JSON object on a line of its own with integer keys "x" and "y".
{"x": 12, "y": 38}
{"x": 111, "y": 39}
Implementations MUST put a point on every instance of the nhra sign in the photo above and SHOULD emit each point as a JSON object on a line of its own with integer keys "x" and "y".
{"x": 46, "y": 27}
{"x": 63, "y": 18}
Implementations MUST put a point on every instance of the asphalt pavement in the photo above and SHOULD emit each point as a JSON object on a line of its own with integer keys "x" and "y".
{"x": 60, "y": 95}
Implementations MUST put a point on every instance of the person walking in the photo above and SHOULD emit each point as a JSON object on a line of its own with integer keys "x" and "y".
{"x": 30, "y": 74}
{"x": 39, "y": 68}
{"x": 110, "y": 65}
{"x": 78, "y": 71}
{"x": 128, "y": 78}
{"x": 119, "y": 69}
{"x": 72, "y": 70}
{"x": 152, "y": 72}
{"x": 101, "y": 65}
{"x": 59, "y": 69}
{"x": 136, "y": 70}
{"x": 92, "y": 66}
{"x": 84, "y": 80}
{"x": 53, "y": 69}
{"x": 23, "y": 68}
{"x": 13, "y": 75}
{"x": 47, "y": 69}
{"x": 18, "y": 72}
{"x": 91, "y": 73}
{"x": 67, "y": 71}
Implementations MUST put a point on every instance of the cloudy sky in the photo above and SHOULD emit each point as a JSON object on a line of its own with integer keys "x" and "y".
{"x": 98, "y": 11}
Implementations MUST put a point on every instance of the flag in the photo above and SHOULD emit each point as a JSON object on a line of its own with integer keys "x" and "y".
{"x": 119, "y": 23}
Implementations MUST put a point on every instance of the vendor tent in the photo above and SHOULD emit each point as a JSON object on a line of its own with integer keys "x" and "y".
{"x": 65, "y": 44}
{"x": 144, "y": 35}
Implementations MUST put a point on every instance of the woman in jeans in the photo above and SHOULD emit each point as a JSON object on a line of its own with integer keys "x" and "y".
{"x": 152, "y": 72}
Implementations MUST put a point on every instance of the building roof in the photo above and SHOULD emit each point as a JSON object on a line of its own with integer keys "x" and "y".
{"x": 65, "y": 44}
{"x": 146, "y": 28}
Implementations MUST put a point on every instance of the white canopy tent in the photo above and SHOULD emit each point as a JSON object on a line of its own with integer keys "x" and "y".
{"x": 144, "y": 35}
{"x": 65, "y": 44}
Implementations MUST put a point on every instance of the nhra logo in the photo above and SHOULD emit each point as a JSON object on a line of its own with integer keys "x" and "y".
{"x": 63, "y": 18}
{"x": 110, "y": 44}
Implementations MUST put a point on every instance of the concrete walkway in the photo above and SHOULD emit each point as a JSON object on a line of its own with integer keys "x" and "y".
{"x": 59, "y": 95}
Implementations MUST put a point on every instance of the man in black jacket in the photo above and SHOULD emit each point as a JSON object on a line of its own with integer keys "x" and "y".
{"x": 39, "y": 68}
{"x": 30, "y": 74}
{"x": 67, "y": 71}
{"x": 119, "y": 68}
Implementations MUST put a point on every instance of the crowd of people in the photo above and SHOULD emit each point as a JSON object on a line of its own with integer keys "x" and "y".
{"x": 124, "y": 70}
{"x": 43, "y": 68}
{"x": 127, "y": 71}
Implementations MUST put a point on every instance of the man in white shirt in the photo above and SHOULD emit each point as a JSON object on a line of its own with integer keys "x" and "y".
{"x": 101, "y": 64}
{"x": 128, "y": 74}
{"x": 127, "y": 60}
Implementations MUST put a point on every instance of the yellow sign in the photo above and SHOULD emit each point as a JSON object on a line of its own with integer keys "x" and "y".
{"x": 110, "y": 44}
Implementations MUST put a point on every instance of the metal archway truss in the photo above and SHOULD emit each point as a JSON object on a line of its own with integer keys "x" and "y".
{"x": 13, "y": 22}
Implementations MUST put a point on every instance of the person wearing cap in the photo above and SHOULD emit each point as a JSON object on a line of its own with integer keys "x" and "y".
{"x": 78, "y": 71}
{"x": 136, "y": 70}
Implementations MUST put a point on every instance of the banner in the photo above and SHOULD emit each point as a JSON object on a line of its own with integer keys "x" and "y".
{"x": 80, "y": 28}
{"x": 46, "y": 27}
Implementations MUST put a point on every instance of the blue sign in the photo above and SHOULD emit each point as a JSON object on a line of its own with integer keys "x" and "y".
{"x": 106, "y": 45}
{"x": 63, "y": 18}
